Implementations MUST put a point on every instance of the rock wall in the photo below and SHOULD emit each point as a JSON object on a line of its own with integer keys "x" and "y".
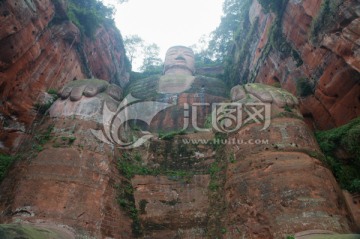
{"x": 70, "y": 178}
{"x": 281, "y": 187}
{"x": 39, "y": 53}
{"x": 327, "y": 63}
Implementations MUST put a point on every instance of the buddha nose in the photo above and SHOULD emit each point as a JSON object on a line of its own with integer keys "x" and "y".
{"x": 180, "y": 57}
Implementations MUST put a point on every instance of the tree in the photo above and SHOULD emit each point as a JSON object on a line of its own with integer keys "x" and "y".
{"x": 87, "y": 15}
{"x": 134, "y": 45}
{"x": 152, "y": 61}
{"x": 270, "y": 5}
{"x": 202, "y": 53}
{"x": 222, "y": 38}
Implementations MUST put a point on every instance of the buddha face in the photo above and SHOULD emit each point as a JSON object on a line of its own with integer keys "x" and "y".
{"x": 179, "y": 60}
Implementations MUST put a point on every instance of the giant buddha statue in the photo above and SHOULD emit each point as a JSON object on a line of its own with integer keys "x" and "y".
{"x": 72, "y": 188}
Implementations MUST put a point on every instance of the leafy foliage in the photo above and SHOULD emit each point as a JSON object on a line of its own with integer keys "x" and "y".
{"x": 133, "y": 45}
{"x": 214, "y": 171}
{"x": 239, "y": 61}
{"x": 346, "y": 137}
{"x": 272, "y": 6}
{"x": 131, "y": 165}
{"x": 304, "y": 87}
{"x": 171, "y": 135}
{"x": 325, "y": 19}
{"x": 126, "y": 200}
{"x": 43, "y": 108}
{"x": 87, "y": 15}
{"x": 204, "y": 56}
{"x": 235, "y": 19}
{"x": 152, "y": 62}
{"x": 277, "y": 39}
{"x": 5, "y": 163}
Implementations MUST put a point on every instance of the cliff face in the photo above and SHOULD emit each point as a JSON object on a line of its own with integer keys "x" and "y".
{"x": 39, "y": 53}
{"x": 317, "y": 58}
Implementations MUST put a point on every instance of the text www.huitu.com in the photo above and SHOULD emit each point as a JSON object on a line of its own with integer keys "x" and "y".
{"x": 226, "y": 141}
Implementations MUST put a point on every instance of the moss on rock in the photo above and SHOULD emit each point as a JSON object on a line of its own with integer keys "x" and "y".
{"x": 16, "y": 231}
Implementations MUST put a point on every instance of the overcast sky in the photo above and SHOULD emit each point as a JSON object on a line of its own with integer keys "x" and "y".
{"x": 168, "y": 22}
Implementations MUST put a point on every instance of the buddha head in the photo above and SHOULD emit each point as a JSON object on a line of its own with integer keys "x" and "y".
{"x": 179, "y": 60}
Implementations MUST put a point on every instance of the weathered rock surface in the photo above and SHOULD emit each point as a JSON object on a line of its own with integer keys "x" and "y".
{"x": 188, "y": 186}
{"x": 203, "y": 91}
{"x": 331, "y": 66}
{"x": 38, "y": 54}
{"x": 353, "y": 203}
{"x": 318, "y": 234}
{"x": 171, "y": 207}
{"x": 40, "y": 231}
{"x": 72, "y": 180}
{"x": 280, "y": 187}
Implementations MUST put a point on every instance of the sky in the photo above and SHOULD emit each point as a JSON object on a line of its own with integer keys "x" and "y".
{"x": 167, "y": 22}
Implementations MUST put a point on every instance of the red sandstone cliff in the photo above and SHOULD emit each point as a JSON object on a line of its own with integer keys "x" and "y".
{"x": 328, "y": 63}
{"x": 38, "y": 53}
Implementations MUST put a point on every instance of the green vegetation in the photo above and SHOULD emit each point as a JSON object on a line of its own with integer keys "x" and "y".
{"x": 232, "y": 158}
{"x": 304, "y": 87}
{"x": 219, "y": 138}
{"x": 287, "y": 108}
{"x": 142, "y": 206}
{"x": 290, "y": 237}
{"x": 214, "y": 171}
{"x": 235, "y": 21}
{"x": 5, "y": 163}
{"x": 142, "y": 88}
{"x": 277, "y": 39}
{"x": 53, "y": 92}
{"x": 237, "y": 65}
{"x": 43, "y": 108}
{"x": 237, "y": 48}
{"x": 127, "y": 201}
{"x": 272, "y": 6}
{"x": 346, "y": 137}
{"x": 68, "y": 139}
{"x": 276, "y": 84}
{"x": 131, "y": 165}
{"x": 44, "y": 137}
{"x": 171, "y": 135}
{"x": 325, "y": 20}
{"x": 22, "y": 231}
{"x": 87, "y": 15}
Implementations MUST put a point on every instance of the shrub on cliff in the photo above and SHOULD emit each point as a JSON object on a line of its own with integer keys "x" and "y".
{"x": 347, "y": 138}
{"x": 87, "y": 15}
{"x": 304, "y": 87}
{"x": 272, "y": 6}
{"x": 5, "y": 163}
{"x": 325, "y": 20}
